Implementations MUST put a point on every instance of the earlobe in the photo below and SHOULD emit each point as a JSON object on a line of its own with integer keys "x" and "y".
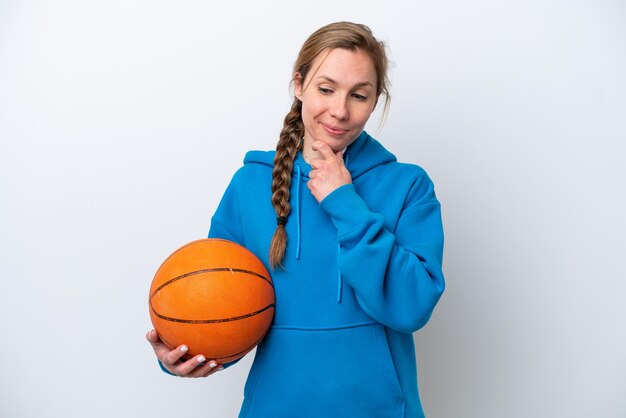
{"x": 297, "y": 85}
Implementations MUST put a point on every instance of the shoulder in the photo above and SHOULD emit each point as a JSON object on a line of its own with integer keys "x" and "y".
{"x": 404, "y": 172}
{"x": 257, "y": 167}
{"x": 413, "y": 170}
{"x": 255, "y": 161}
{"x": 416, "y": 182}
{"x": 259, "y": 157}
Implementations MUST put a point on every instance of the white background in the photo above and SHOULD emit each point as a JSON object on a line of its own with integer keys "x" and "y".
{"x": 121, "y": 122}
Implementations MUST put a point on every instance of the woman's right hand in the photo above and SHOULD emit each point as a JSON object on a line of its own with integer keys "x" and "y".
{"x": 172, "y": 361}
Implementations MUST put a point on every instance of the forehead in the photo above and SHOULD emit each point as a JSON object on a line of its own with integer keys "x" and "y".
{"x": 344, "y": 66}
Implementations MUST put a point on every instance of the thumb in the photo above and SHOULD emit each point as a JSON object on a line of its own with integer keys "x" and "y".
{"x": 152, "y": 336}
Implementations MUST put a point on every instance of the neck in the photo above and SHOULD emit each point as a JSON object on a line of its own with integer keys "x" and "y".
{"x": 307, "y": 151}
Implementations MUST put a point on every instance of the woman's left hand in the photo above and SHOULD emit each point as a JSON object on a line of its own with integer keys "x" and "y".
{"x": 328, "y": 173}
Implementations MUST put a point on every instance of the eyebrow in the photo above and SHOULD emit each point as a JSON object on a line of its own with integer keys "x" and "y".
{"x": 357, "y": 85}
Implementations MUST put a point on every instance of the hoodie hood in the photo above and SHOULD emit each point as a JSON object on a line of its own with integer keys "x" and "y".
{"x": 364, "y": 154}
{"x": 361, "y": 156}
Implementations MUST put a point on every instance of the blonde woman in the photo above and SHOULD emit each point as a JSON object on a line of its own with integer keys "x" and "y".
{"x": 354, "y": 241}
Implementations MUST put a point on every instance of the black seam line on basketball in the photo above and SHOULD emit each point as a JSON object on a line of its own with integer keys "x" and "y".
{"x": 213, "y": 270}
{"x": 230, "y": 355}
{"x": 210, "y": 321}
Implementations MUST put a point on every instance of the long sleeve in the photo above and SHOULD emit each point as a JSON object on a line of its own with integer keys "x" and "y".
{"x": 226, "y": 222}
{"x": 227, "y": 213}
{"x": 396, "y": 275}
{"x": 218, "y": 230}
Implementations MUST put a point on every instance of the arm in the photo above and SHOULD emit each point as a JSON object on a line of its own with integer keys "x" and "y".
{"x": 396, "y": 275}
{"x": 171, "y": 361}
{"x": 227, "y": 213}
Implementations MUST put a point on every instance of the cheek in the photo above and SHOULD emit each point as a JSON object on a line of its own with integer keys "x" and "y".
{"x": 362, "y": 116}
{"x": 308, "y": 119}
{"x": 310, "y": 111}
{"x": 306, "y": 114}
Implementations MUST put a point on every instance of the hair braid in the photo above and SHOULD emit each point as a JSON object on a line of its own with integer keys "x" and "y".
{"x": 289, "y": 144}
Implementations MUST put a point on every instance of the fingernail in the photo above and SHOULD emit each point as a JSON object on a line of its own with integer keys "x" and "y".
{"x": 212, "y": 363}
{"x": 219, "y": 369}
{"x": 184, "y": 349}
{"x": 201, "y": 359}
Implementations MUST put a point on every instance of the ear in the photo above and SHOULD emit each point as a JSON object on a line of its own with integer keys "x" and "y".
{"x": 297, "y": 85}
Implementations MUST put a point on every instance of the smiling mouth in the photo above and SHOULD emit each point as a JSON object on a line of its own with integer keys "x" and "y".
{"x": 333, "y": 130}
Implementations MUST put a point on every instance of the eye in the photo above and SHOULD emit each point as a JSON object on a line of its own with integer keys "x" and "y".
{"x": 359, "y": 97}
{"x": 325, "y": 90}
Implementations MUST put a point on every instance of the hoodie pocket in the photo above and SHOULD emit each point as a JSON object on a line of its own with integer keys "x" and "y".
{"x": 345, "y": 372}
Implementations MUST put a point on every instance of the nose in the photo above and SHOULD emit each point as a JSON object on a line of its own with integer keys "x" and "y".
{"x": 338, "y": 108}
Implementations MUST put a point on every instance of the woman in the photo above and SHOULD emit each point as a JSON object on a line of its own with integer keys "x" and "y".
{"x": 361, "y": 269}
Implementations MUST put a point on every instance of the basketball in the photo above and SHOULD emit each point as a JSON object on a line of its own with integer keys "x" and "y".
{"x": 215, "y": 296}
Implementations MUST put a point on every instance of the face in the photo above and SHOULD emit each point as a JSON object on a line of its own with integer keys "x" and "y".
{"x": 338, "y": 97}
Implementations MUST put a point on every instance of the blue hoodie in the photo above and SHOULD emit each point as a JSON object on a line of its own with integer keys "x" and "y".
{"x": 362, "y": 272}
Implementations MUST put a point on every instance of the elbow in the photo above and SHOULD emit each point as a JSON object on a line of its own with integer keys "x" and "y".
{"x": 421, "y": 312}
{"x": 410, "y": 325}
{"x": 415, "y": 323}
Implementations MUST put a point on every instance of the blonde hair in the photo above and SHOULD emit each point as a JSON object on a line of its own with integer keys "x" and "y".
{"x": 344, "y": 35}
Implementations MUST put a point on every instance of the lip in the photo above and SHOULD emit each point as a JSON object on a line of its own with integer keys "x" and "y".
{"x": 333, "y": 130}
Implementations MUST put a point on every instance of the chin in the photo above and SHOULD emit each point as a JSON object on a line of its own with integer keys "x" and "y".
{"x": 337, "y": 145}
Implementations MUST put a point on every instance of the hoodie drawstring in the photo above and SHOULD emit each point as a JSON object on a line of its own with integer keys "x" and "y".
{"x": 299, "y": 172}
{"x": 339, "y": 278}
{"x": 298, "y": 226}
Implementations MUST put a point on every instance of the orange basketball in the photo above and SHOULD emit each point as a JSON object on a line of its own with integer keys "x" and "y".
{"x": 214, "y": 296}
